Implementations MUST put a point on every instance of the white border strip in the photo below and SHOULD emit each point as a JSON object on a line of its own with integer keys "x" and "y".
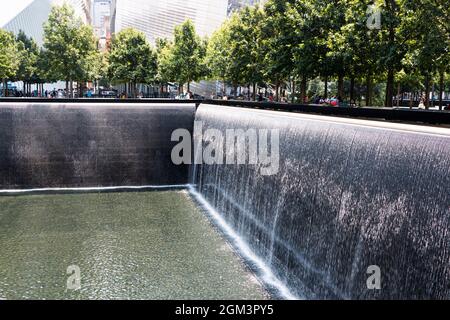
{"x": 175, "y": 186}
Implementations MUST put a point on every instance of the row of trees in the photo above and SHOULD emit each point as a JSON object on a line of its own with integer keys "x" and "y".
{"x": 285, "y": 45}
{"x": 69, "y": 53}
{"x": 288, "y": 42}
{"x": 132, "y": 59}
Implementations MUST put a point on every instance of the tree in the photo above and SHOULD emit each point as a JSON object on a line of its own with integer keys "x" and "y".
{"x": 132, "y": 60}
{"x": 69, "y": 45}
{"x": 186, "y": 55}
{"x": 363, "y": 47}
{"x": 99, "y": 69}
{"x": 9, "y": 58}
{"x": 218, "y": 58}
{"x": 279, "y": 37}
{"x": 246, "y": 46}
{"x": 166, "y": 71}
{"x": 28, "y": 68}
{"x": 429, "y": 47}
{"x": 226, "y": 54}
{"x": 89, "y": 63}
{"x": 235, "y": 50}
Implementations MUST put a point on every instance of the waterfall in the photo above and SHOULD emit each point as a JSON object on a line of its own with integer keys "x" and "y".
{"x": 348, "y": 194}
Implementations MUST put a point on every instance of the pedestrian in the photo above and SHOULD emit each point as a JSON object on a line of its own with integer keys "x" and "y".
{"x": 422, "y": 105}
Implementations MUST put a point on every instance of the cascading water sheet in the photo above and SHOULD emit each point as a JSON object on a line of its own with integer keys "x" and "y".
{"x": 348, "y": 196}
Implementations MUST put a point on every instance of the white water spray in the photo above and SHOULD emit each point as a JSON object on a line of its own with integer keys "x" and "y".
{"x": 266, "y": 274}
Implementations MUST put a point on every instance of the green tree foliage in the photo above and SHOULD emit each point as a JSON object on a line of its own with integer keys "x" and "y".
{"x": 9, "y": 57}
{"x": 279, "y": 36}
{"x": 29, "y": 52}
{"x": 429, "y": 44}
{"x": 326, "y": 43}
{"x": 359, "y": 46}
{"x": 246, "y": 46}
{"x": 132, "y": 60}
{"x": 165, "y": 71}
{"x": 69, "y": 45}
{"x": 218, "y": 58}
{"x": 235, "y": 52}
{"x": 219, "y": 55}
{"x": 183, "y": 60}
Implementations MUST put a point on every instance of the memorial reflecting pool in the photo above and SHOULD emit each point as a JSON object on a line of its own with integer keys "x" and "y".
{"x": 131, "y": 245}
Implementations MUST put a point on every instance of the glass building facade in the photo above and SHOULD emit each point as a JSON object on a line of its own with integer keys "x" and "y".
{"x": 32, "y": 18}
{"x": 158, "y": 18}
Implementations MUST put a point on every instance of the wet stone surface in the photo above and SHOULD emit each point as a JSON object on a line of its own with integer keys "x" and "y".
{"x": 143, "y": 245}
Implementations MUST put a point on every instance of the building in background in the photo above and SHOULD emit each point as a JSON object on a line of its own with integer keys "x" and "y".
{"x": 101, "y": 21}
{"x": 82, "y": 8}
{"x": 30, "y": 20}
{"x": 158, "y": 18}
{"x": 234, "y": 5}
{"x": 33, "y": 16}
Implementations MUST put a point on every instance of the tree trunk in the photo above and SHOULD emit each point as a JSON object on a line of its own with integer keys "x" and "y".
{"x": 325, "y": 94}
{"x": 432, "y": 94}
{"x": 368, "y": 90}
{"x": 392, "y": 7}
{"x": 188, "y": 86}
{"x": 248, "y": 92}
{"x": 341, "y": 87}
{"x": 303, "y": 84}
{"x": 293, "y": 91}
{"x": 254, "y": 91}
{"x": 352, "y": 89}
{"x": 389, "y": 88}
{"x": 427, "y": 91}
{"x": 277, "y": 87}
{"x": 402, "y": 99}
{"x": 5, "y": 88}
{"x": 441, "y": 89}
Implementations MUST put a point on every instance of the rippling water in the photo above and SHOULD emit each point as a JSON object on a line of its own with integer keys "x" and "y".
{"x": 136, "y": 245}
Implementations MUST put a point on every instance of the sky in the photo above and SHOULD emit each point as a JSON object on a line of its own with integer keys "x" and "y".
{"x": 10, "y": 10}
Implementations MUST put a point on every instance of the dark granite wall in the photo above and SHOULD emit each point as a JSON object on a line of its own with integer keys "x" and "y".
{"x": 88, "y": 145}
